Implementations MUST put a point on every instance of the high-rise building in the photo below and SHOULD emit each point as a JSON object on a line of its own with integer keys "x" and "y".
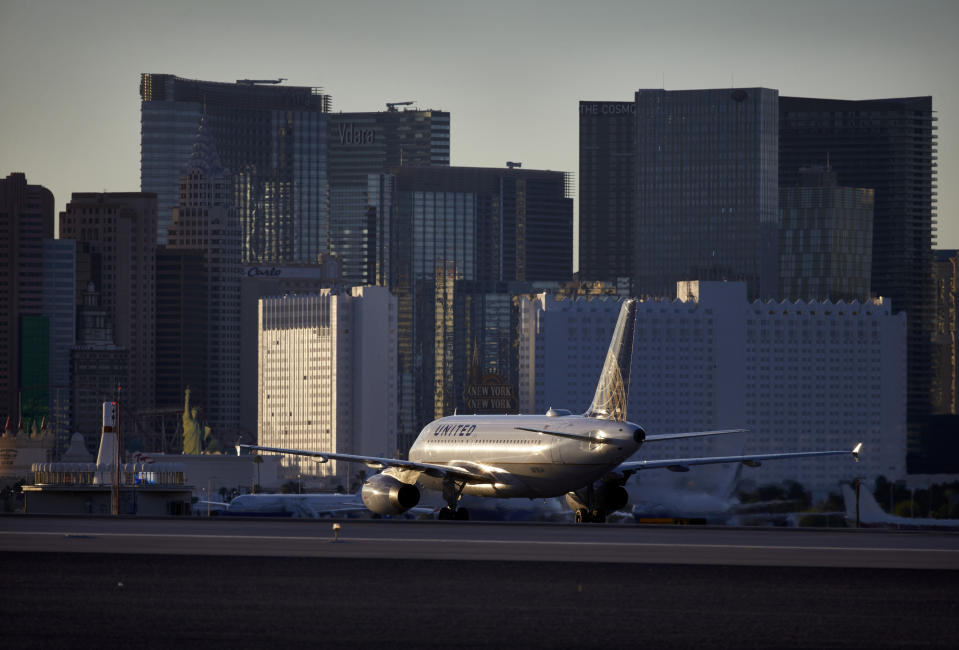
{"x": 799, "y": 375}
{"x": 946, "y": 338}
{"x": 26, "y": 220}
{"x": 60, "y": 308}
{"x": 116, "y": 231}
{"x": 825, "y": 239}
{"x": 98, "y": 370}
{"x": 375, "y": 142}
{"x": 459, "y": 234}
{"x": 261, "y": 282}
{"x": 361, "y": 144}
{"x": 887, "y": 145}
{"x": 707, "y": 189}
{"x": 182, "y": 305}
{"x": 273, "y": 140}
{"x": 205, "y": 221}
{"x": 607, "y": 190}
{"x": 34, "y": 369}
{"x": 327, "y": 375}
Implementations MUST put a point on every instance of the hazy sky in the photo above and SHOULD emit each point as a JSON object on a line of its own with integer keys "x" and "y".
{"x": 510, "y": 73}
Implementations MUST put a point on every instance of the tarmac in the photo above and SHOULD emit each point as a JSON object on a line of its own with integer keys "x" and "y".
{"x": 101, "y": 582}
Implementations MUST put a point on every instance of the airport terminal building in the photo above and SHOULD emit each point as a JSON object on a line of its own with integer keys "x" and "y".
{"x": 798, "y": 375}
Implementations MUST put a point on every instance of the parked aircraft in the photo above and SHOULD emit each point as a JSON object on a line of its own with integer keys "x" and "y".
{"x": 583, "y": 457}
{"x": 309, "y": 506}
{"x": 873, "y": 516}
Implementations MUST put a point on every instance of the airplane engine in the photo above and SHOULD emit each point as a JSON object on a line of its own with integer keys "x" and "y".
{"x": 607, "y": 497}
{"x": 385, "y": 495}
{"x": 613, "y": 497}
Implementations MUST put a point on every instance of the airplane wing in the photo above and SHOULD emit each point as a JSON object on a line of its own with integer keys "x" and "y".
{"x": 691, "y": 434}
{"x": 436, "y": 471}
{"x": 649, "y": 437}
{"x": 752, "y": 460}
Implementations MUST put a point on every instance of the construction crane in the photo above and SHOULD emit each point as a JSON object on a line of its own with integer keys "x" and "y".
{"x": 253, "y": 82}
{"x": 391, "y": 106}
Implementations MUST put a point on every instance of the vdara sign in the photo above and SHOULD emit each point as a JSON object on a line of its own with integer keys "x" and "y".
{"x": 349, "y": 134}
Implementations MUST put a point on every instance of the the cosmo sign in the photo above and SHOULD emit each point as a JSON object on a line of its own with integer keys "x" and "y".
{"x": 607, "y": 108}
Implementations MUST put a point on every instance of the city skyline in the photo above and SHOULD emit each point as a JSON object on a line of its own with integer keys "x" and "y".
{"x": 511, "y": 76}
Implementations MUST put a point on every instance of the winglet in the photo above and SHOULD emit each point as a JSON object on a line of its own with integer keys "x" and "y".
{"x": 856, "y": 450}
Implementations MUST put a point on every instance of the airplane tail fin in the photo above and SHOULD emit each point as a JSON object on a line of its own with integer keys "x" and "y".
{"x": 612, "y": 391}
{"x": 870, "y": 512}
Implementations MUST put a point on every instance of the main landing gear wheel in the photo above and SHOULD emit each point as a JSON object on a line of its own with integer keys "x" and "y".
{"x": 448, "y": 514}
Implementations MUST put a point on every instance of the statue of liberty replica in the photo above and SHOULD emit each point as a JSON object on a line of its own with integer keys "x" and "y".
{"x": 194, "y": 433}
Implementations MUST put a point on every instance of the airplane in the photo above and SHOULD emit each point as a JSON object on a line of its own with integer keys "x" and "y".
{"x": 871, "y": 515}
{"x": 582, "y": 457}
{"x": 297, "y": 506}
{"x": 669, "y": 499}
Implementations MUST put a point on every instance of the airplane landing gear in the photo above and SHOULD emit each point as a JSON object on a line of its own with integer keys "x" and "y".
{"x": 590, "y": 505}
{"x": 458, "y": 514}
{"x": 584, "y": 516}
{"x": 452, "y": 491}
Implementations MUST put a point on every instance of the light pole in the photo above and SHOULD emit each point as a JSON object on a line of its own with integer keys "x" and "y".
{"x": 857, "y": 483}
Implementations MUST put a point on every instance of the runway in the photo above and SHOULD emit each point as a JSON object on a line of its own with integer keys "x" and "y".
{"x": 78, "y": 582}
{"x": 440, "y": 540}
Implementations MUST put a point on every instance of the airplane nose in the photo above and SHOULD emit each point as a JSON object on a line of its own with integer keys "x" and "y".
{"x": 639, "y": 435}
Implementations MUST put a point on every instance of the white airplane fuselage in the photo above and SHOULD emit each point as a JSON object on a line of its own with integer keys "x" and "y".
{"x": 522, "y": 463}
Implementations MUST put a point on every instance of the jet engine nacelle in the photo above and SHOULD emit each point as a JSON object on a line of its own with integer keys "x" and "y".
{"x": 607, "y": 497}
{"x": 386, "y": 495}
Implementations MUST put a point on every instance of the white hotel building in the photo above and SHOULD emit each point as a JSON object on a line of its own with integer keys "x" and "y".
{"x": 798, "y": 375}
{"x": 327, "y": 377}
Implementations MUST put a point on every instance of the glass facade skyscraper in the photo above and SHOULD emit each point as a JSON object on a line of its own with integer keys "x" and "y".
{"x": 825, "y": 239}
{"x": 273, "y": 140}
{"x": 60, "y": 307}
{"x": 26, "y": 221}
{"x": 205, "y": 221}
{"x": 707, "y": 189}
{"x": 607, "y": 190}
{"x": 887, "y": 145}
{"x": 361, "y": 144}
{"x": 459, "y": 235}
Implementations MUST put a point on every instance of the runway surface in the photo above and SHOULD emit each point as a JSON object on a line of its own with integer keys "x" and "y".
{"x": 484, "y": 541}
{"x": 227, "y": 583}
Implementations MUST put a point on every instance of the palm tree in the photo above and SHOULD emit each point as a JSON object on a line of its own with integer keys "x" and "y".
{"x": 257, "y": 460}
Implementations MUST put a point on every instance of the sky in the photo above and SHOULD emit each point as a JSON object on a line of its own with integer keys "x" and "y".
{"x": 511, "y": 73}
